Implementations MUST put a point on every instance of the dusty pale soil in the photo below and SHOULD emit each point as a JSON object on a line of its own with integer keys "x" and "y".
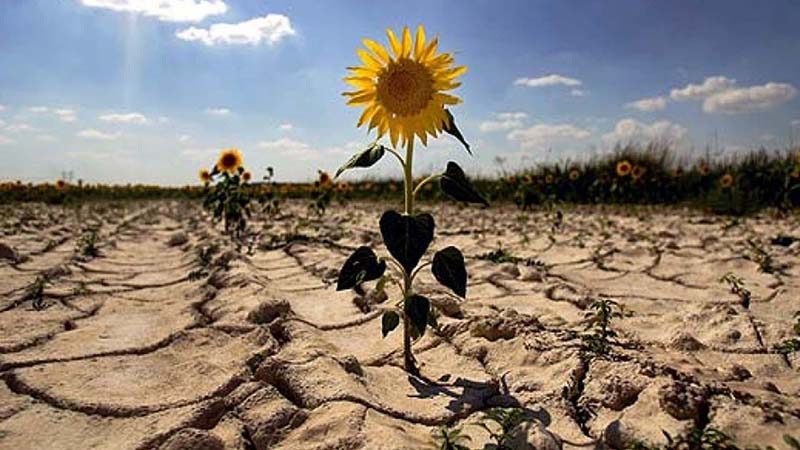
{"x": 131, "y": 354}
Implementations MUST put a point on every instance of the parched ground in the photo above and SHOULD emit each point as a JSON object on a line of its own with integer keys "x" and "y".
{"x": 261, "y": 352}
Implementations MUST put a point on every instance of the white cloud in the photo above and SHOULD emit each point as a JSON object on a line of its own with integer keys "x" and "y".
{"x": 796, "y": 123}
{"x": 286, "y": 127}
{"x": 165, "y": 10}
{"x": 38, "y": 109}
{"x": 2, "y": 123}
{"x": 749, "y": 99}
{"x": 96, "y": 134}
{"x": 548, "y": 80}
{"x": 200, "y": 154}
{"x": 504, "y": 122}
{"x": 218, "y": 111}
{"x": 5, "y": 140}
{"x": 633, "y": 131}
{"x": 577, "y": 93}
{"x": 271, "y": 28}
{"x": 19, "y": 127}
{"x": 46, "y": 138}
{"x": 163, "y": 119}
{"x": 66, "y": 114}
{"x": 133, "y": 117}
{"x": 711, "y": 86}
{"x": 290, "y": 147}
{"x": 184, "y": 138}
{"x": 2, "y": 108}
{"x": 543, "y": 134}
{"x": 648, "y": 104}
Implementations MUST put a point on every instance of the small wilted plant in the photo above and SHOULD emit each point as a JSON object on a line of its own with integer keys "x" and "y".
{"x": 322, "y": 194}
{"x": 404, "y": 97}
{"x": 270, "y": 197}
{"x": 501, "y": 255}
{"x": 736, "y": 285}
{"x": 761, "y": 257}
{"x": 225, "y": 195}
{"x": 598, "y": 341}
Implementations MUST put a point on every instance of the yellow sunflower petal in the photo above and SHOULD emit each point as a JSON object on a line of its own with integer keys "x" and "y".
{"x": 361, "y": 99}
{"x": 455, "y": 72}
{"x": 360, "y": 82}
{"x": 368, "y": 59}
{"x": 378, "y": 49}
{"x": 446, "y": 99}
{"x": 419, "y": 44}
{"x": 394, "y": 43}
{"x": 406, "y": 50}
{"x": 363, "y": 71}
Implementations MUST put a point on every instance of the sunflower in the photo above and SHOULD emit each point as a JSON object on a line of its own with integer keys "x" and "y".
{"x": 61, "y": 184}
{"x": 403, "y": 92}
{"x": 230, "y": 160}
{"x": 511, "y": 179}
{"x": 726, "y": 181}
{"x": 527, "y": 179}
{"x": 574, "y": 174}
{"x": 548, "y": 179}
{"x": 703, "y": 169}
{"x": 795, "y": 173}
{"x": 624, "y": 168}
{"x": 324, "y": 179}
{"x": 205, "y": 176}
{"x": 247, "y": 176}
{"x": 677, "y": 173}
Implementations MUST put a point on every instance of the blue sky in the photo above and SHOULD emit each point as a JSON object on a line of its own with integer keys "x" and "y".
{"x": 150, "y": 90}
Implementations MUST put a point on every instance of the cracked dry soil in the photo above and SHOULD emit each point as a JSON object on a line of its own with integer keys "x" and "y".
{"x": 261, "y": 352}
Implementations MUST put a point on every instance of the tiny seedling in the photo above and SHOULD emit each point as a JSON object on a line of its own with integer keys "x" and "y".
{"x": 35, "y": 293}
{"x": 762, "y": 257}
{"x": 446, "y": 438}
{"x": 501, "y": 255}
{"x": 507, "y": 420}
{"x": 736, "y": 285}
{"x": 203, "y": 259}
{"x": 791, "y": 345}
{"x": 598, "y": 341}
{"x": 87, "y": 244}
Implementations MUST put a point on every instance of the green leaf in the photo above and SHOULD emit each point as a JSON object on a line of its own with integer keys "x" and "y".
{"x": 451, "y": 129}
{"x": 364, "y": 158}
{"x": 389, "y": 322}
{"x": 449, "y": 270}
{"x": 416, "y": 308}
{"x": 361, "y": 266}
{"x": 455, "y": 184}
{"x": 407, "y": 237}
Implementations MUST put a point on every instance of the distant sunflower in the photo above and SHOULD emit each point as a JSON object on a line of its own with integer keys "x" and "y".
{"x": 403, "y": 93}
{"x": 638, "y": 172}
{"x": 247, "y": 176}
{"x": 527, "y": 179}
{"x": 548, "y": 179}
{"x": 624, "y": 168}
{"x": 574, "y": 174}
{"x": 703, "y": 168}
{"x": 511, "y": 179}
{"x": 324, "y": 179}
{"x": 795, "y": 173}
{"x": 230, "y": 160}
{"x": 61, "y": 184}
{"x": 205, "y": 176}
{"x": 726, "y": 181}
{"x": 677, "y": 173}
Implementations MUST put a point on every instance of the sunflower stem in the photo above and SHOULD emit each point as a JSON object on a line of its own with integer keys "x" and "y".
{"x": 433, "y": 177}
{"x": 408, "y": 357}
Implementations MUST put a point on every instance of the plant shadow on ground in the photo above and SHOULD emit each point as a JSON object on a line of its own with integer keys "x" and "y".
{"x": 475, "y": 396}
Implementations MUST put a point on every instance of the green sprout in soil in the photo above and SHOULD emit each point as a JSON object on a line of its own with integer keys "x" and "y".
{"x": 598, "y": 341}
{"x": 736, "y": 285}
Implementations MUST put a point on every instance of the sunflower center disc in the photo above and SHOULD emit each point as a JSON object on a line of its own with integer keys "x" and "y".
{"x": 405, "y": 87}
